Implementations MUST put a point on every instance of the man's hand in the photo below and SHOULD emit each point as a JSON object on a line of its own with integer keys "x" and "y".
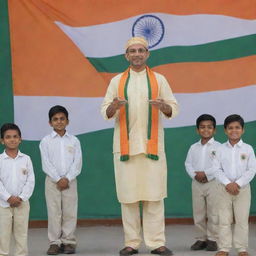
{"x": 14, "y": 201}
{"x": 63, "y": 184}
{"x": 114, "y": 106}
{"x": 162, "y": 106}
{"x": 201, "y": 177}
{"x": 232, "y": 188}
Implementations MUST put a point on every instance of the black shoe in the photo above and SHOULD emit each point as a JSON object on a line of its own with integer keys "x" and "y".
{"x": 162, "y": 251}
{"x": 211, "y": 246}
{"x": 128, "y": 251}
{"x": 54, "y": 249}
{"x": 198, "y": 245}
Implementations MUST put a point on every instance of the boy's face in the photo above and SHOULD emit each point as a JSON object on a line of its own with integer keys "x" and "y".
{"x": 206, "y": 129}
{"x": 234, "y": 131}
{"x": 11, "y": 139}
{"x": 59, "y": 122}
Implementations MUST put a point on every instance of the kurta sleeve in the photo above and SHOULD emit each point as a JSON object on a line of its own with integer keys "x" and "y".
{"x": 166, "y": 94}
{"x": 112, "y": 92}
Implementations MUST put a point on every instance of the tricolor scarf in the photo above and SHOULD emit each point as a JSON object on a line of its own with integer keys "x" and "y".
{"x": 153, "y": 115}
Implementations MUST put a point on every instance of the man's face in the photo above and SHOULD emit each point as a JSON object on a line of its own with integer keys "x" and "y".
{"x": 137, "y": 55}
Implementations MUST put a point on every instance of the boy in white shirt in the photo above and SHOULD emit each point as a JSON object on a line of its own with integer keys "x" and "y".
{"x": 17, "y": 182}
{"x": 62, "y": 162}
{"x": 199, "y": 163}
{"x": 235, "y": 167}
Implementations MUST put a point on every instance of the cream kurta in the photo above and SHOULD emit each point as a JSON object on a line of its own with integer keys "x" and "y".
{"x": 150, "y": 176}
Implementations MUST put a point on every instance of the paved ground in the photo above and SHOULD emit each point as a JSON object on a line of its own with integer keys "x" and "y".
{"x": 107, "y": 241}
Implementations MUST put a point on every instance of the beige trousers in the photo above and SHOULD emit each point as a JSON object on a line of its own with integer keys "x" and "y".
{"x": 14, "y": 220}
{"x": 204, "y": 210}
{"x": 238, "y": 207}
{"x": 153, "y": 224}
{"x": 62, "y": 212}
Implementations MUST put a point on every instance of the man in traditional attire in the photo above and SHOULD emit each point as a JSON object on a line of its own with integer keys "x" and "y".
{"x": 137, "y": 99}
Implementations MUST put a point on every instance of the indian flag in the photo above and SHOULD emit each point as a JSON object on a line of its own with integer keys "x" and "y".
{"x": 65, "y": 52}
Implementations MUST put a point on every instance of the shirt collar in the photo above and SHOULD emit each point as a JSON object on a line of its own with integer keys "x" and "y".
{"x": 209, "y": 142}
{"x": 238, "y": 144}
{"x": 18, "y": 155}
{"x": 55, "y": 134}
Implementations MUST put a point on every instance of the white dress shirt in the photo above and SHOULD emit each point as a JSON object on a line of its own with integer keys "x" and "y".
{"x": 235, "y": 164}
{"x": 200, "y": 158}
{"x": 16, "y": 177}
{"x": 138, "y": 110}
{"x": 61, "y": 156}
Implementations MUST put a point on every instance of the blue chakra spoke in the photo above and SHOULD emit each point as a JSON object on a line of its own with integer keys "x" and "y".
{"x": 151, "y": 27}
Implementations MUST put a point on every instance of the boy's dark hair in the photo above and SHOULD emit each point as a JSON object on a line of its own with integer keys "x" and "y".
{"x": 57, "y": 109}
{"x": 9, "y": 126}
{"x": 205, "y": 117}
{"x": 233, "y": 118}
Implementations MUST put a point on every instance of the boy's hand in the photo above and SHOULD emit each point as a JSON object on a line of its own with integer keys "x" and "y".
{"x": 232, "y": 188}
{"x": 201, "y": 177}
{"x": 63, "y": 184}
{"x": 14, "y": 201}
{"x": 204, "y": 180}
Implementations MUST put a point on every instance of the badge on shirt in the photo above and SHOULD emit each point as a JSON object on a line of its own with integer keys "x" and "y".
{"x": 243, "y": 156}
{"x": 24, "y": 171}
{"x": 70, "y": 149}
{"x": 213, "y": 154}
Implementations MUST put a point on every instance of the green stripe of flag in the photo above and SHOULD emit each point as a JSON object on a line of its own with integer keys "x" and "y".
{"x": 100, "y": 174}
{"x": 6, "y": 93}
{"x": 217, "y": 51}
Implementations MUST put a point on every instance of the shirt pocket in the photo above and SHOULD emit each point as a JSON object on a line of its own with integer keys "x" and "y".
{"x": 70, "y": 154}
{"x": 243, "y": 159}
{"x": 23, "y": 174}
{"x": 70, "y": 149}
{"x": 212, "y": 154}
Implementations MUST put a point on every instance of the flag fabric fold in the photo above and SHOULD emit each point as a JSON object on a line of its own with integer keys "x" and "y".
{"x": 62, "y": 55}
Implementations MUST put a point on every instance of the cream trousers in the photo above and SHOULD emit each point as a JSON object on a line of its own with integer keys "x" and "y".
{"x": 14, "y": 221}
{"x": 62, "y": 212}
{"x": 152, "y": 222}
{"x": 238, "y": 207}
{"x": 204, "y": 210}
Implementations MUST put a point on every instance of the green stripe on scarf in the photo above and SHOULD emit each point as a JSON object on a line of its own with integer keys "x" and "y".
{"x": 149, "y": 131}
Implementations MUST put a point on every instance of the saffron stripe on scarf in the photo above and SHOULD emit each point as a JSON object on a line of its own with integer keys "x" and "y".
{"x": 124, "y": 139}
{"x": 152, "y": 145}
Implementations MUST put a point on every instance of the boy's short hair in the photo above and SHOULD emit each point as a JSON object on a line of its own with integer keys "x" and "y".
{"x": 9, "y": 126}
{"x": 205, "y": 117}
{"x": 233, "y": 118}
{"x": 57, "y": 109}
